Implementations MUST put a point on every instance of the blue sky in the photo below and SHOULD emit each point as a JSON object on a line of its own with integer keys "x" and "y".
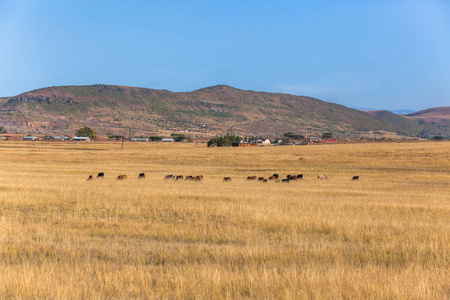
{"x": 371, "y": 54}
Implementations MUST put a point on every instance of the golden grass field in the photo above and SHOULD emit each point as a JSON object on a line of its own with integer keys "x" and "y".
{"x": 386, "y": 236}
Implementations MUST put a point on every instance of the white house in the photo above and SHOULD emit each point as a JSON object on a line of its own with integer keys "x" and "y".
{"x": 260, "y": 141}
{"x": 167, "y": 140}
{"x": 265, "y": 142}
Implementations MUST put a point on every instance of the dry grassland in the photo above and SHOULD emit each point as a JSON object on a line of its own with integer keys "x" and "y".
{"x": 385, "y": 236}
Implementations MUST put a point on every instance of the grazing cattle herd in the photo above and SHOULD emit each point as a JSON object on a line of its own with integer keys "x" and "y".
{"x": 275, "y": 177}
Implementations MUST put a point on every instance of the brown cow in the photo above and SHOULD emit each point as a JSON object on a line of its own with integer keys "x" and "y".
{"x": 272, "y": 178}
{"x": 293, "y": 177}
{"x": 251, "y": 178}
{"x": 199, "y": 178}
{"x": 189, "y": 178}
{"x": 122, "y": 177}
{"x": 141, "y": 176}
{"x": 91, "y": 177}
{"x": 227, "y": 179}
{"x": 179, "y": 177}
{"x": 260, "y": 178}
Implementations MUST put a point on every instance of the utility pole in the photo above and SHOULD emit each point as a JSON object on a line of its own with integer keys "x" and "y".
{"x": 308, "y": 135}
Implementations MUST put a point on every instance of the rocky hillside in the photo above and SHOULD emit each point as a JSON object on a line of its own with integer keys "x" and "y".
{"x": 212, "y": 110}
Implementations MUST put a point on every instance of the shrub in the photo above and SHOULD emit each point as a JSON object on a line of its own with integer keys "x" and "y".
{"x": 438, "y": 138}
{"x": 224, "y": 141}
{"x": 178, "y": 137}
{"x": 114, "y": 137}
{"x": 327, "y": 135}
{"x": 155, "y": 138}
{"x": 293, "y": 136}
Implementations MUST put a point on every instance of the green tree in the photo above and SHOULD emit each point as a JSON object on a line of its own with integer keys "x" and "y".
{"x": 156, "y": 138}
{"x": 178, "y": 137}
{"x": 114, "y": 137}
{"x": 86, "y": 131}
{"x": 224, "y": 141}
{"x": 286, "y": 140}
{"x": 327, "y": 135}
{"x": 293, "y": 136}
{"x": 3, "y": 129}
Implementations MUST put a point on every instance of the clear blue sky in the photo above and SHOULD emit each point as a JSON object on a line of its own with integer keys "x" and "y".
{"x": 373, "y": 54}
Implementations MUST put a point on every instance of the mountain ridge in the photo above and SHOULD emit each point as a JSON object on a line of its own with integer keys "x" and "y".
{"x": 211, "y": 110}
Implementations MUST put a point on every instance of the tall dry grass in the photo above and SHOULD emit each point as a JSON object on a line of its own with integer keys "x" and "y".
{"x": 385, "y": 236}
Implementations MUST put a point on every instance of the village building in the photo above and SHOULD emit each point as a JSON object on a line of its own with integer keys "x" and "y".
{"x": 81, "y": 139}
{"x": 57, "y": 138}
{"x": 139, "y": 139}
{"x": 30, "y": 138}
{"x": 260, "y": 141}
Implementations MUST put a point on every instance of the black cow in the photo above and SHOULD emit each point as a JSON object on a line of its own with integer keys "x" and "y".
{"x": 141, "y": 176}
{"x": 101, "y": 175}
{"x": 355, "y": 178}
{"x": 300, "y": 176}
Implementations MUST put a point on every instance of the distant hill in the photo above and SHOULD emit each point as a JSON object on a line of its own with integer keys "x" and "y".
{"x": 437, "y": 114}
{"x": 212, "y": 110}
